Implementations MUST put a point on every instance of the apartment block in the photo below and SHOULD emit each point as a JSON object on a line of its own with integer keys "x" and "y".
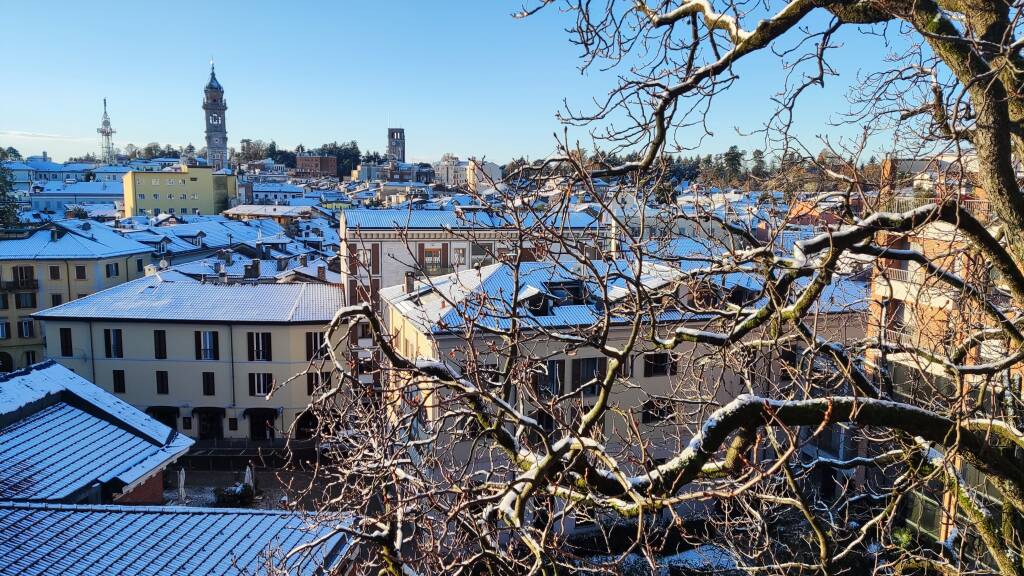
{"x": 179, "y": 190}
{"x": 52, "y": 265}
{"x": 202, "y": 357}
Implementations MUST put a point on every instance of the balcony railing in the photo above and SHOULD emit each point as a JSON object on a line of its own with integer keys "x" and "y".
{"x": 898, "y": 336}
{"x": 980, "y": 209}
{"x": 436, "y": 270}
{"x": 899, "y": 274}
{"x": 22, "y": 284}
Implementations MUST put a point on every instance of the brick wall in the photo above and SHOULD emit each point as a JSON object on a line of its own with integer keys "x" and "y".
{"x": 149, "y": 492}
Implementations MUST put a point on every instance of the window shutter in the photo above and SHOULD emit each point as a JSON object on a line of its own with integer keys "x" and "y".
{"x": 252, "y": 384}
{"x": 353, "y": 297}
{"x": 375, "y": 258}
{"x": 309, "y": 345}
{"x": 353, "y": 259}
{"x": 250, "y": 338}
{"x": 107, "y": 345}
{"x": 216, "y": 345}
{"x": 602, "y": 368}
{"x": 444, "y": 254}
{"x": 576, "y": 374}
{"x": 199, "y": 345}
{"x": 673, "y": 364}
{"x": 648, "y": 365}
{"x": 420, "y": 249}
{"x": 310, "y": 383}
{"x": 266, "y": 346}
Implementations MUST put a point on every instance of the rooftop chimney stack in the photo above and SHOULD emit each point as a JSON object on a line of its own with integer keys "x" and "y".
{"x": 410, "y": 282}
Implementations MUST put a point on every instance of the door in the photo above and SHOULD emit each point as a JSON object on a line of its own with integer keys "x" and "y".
{"x": 261, "y": 426}
{"x": 210, "y": 426}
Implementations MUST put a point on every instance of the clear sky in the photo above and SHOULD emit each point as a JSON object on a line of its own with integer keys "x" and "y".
{"x": 460, "y": 76}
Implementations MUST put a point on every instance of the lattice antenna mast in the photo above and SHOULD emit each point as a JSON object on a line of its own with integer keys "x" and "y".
{"x": 106, "y": 140}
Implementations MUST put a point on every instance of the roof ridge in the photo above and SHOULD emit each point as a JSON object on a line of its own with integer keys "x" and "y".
{"x": 121, "y": 508}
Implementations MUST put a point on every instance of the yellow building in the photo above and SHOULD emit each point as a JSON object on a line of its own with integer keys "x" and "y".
{"x": 49, "y": 266}
{"x": 185, "y": 190}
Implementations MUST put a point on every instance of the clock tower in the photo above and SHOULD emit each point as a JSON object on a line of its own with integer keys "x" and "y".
{"x": 216, "y": 129}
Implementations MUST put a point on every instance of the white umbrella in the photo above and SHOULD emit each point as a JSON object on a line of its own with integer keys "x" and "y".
{"x": 248, "y": 476}
{"x": 181, "y": 484}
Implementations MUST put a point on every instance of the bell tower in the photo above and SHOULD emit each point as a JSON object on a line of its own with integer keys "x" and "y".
{"x": 396, "y": 144}
{"x": 214, "y": 107}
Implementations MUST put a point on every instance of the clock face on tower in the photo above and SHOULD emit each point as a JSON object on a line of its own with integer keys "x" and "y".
{"x": 216, "y": 139}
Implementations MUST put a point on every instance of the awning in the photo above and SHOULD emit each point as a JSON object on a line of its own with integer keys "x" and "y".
{"x": 216, "y": 411}
{"x": 153, "y": 410}
{"x": 271, "y": 412}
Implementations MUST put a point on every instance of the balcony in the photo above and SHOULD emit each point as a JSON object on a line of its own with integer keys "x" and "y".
{"x": 980, "y": 209}
{"x": 22, "y": 284}
{"x": 898, "y": 336}
{"x": 431, "y": 270}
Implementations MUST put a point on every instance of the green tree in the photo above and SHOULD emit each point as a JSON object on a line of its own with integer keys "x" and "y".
{"x": 13, "y": 154}
{"x": 758, "y": 166}
{"x": 732, "y": 161}
{"x": 8, "y": 205}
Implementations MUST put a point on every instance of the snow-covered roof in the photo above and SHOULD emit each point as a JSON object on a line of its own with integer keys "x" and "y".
{"x": 60, "y": 434}
{"x": 70, "y": 239}
{"x": 95, "y": 540}
{"x": 391, "y": 219}
{"x": 440, "y": 305}
{"x": 162, "y": 299}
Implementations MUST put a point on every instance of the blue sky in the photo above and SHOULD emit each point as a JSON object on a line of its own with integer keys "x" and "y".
{"x": 460, "y": 76}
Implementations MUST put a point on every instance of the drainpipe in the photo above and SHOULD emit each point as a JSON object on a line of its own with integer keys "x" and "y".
{"x": 231, "y": 354}
{"x": 92, "y": 352}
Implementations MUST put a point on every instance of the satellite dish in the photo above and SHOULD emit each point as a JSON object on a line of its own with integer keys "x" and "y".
{"x": 164, "y": 264}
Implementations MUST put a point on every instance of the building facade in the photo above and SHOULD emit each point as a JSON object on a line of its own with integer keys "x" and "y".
{"x": 49, "y": 266}
{"x": 211, "y": 360}
{"x": 187, "y": 190}
{"x": 313, "y": 165}
{"x": 214, "y": 107}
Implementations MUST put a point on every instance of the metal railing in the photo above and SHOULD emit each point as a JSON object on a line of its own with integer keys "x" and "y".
{"x": 980, "y": 209}
{"x": 899, "y": 275}
{"x": 22, "y": 284}
{"x": 898, "y": 336}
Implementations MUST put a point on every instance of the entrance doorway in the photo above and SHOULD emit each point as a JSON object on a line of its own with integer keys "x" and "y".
{"x": 209, "y": 423}
{"x": 261, "y": 423}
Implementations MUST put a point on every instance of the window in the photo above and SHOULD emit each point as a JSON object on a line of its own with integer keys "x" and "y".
{"x": 259, "y": 346}
{"x": 56, "y": 299}
{"x": 586, "y": 372}
{"x": 162, "y": 385}
{"x": 25, "y": 300}
{"x": 232, "y": 423}
{"x": 170, "y": 210}
{"x": 24, "y": 276}
{"x": 113, "y": 345}
{"x": 66, "y": 347}
{"x": 54, "y": 272}
{"x": 209, "y": 388}
{"x": 655, "y": 411}
{"x": 156, "y": 182}
{"x": 316, "y": 380}
{"x": 26, "y": 328}
{"x": 315, "y": 346}
{"x": 113, "y": 270}
{"x": 186, "y": 422}
{"x": 207, "y": 345}
{"x": 5, "y": 329}
{"x": 459, "y": 256}
{"x": 160, "y": 344}
{"x": 140, "y": 266}
{"x": 260, "y": 383}
{"x": 660, "y": 364}
{"x": 182, "y": 196}
{"x": 142, "y": 197}
{"x": 79, "y": 272}
{"x": 550, "y": 383}
{"x": 3, "y": 302}
{"x": 30, "y": 357}
{"x": 118, "y": 379}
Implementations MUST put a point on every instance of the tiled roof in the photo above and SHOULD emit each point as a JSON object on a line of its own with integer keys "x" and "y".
{"x": 486, "y": 295}
{"x": 157, "y": 298}
{"x": 60, "y": 434}
{"x": 75, "y": 239}
{"x": 88, "y": 540}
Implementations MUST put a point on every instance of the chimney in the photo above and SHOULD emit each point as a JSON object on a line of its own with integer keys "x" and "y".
{"x": 218, "y": 267}
{"x": 321, "y": 273}
{"x": 252, "y": 269}
{"x": 226, "y": 256}
{"x": 410, "y": 282}
{"x": 303, "y": 260}
{"x": 282, "y": 264}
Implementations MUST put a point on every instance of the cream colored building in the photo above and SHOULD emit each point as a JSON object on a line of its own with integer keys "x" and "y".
{"x": 201, "y": 357}
{"x": 179, "y": 190}
{"x": 425, "y": 322}
{"x": 52, "y": 265}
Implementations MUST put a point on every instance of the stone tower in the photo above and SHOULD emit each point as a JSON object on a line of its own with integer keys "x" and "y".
{"x": 214, "y": 107}
{"x": 396, "y": 144}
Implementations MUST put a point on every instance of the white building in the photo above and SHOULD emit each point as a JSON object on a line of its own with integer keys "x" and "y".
{"x": 469, "y": 174}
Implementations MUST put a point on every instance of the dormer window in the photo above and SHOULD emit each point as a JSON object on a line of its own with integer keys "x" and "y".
{"x": 568, "y": 293}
